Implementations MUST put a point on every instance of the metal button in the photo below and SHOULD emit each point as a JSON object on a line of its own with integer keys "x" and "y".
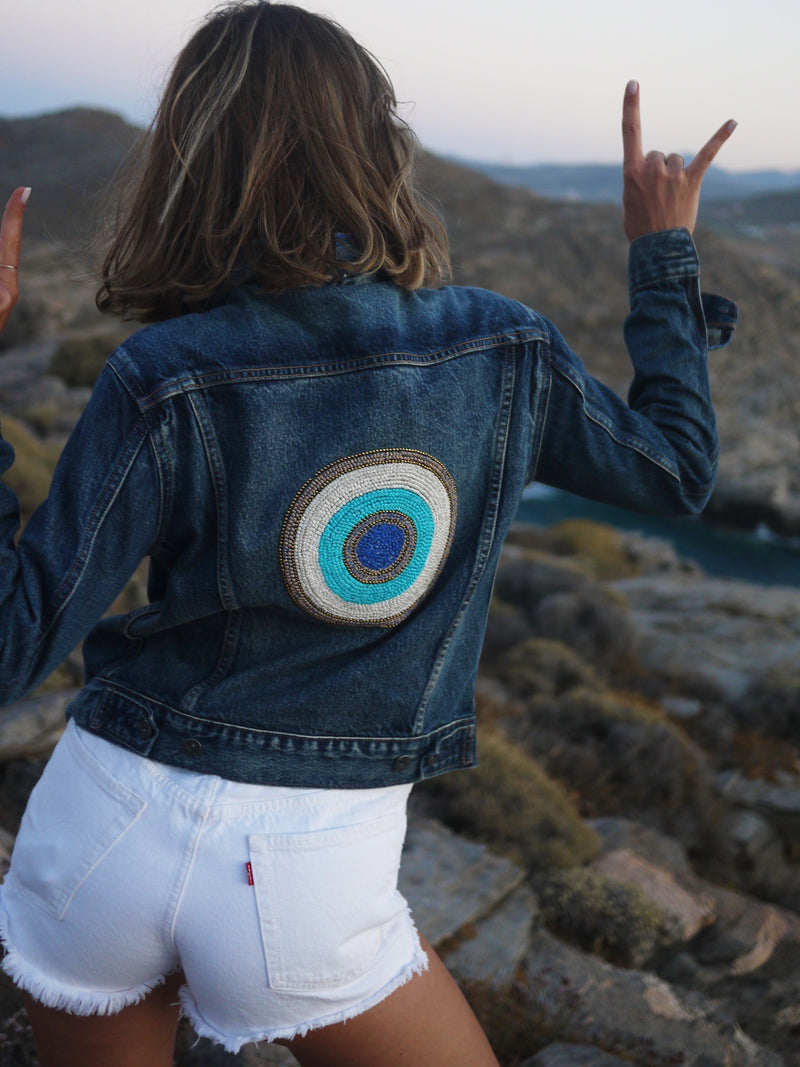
{"x": 192, "y": 747}
{"x": 144, "y": 729}
{"x": 402, "y": 763}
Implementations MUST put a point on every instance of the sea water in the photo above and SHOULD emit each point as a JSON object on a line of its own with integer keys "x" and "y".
{"x": 754, "y": 557}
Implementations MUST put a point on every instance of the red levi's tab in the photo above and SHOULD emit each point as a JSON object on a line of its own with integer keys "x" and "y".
{"x": 250, "y": 880}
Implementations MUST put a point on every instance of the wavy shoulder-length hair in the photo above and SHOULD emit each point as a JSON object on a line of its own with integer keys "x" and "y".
{"x": 276, "y": 131}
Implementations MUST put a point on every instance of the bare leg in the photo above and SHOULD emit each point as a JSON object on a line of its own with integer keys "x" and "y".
{"x": 425, "y": 1023}
{"x": 142, "y": 1035}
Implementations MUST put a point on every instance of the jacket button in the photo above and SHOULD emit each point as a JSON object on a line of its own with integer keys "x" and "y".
{"x": 192, "y": 747}
{"x": 402, "y": 763}
{"x": 144, "y": 729}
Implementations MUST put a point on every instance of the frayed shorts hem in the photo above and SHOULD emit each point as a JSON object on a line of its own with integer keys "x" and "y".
{"x": 418, "y": 965}
{"x": 54, "y": 994}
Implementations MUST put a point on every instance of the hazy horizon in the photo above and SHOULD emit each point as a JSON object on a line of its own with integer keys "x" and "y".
{"x": 500, "y": 85}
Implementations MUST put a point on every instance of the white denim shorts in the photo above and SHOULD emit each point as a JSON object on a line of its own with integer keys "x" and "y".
{"x": 280, "y": 905}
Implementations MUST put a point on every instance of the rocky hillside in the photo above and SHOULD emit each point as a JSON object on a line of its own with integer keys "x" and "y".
{"x": 568, "y": 261}
{"x": 618, "y": 882}
{"x": 565, "y": 259}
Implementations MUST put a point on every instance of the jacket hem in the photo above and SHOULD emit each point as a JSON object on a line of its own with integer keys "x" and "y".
{"x": 165, "y": 734}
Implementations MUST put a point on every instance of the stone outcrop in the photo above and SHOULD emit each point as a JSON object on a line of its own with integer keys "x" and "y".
{"x": 633, "y": 941}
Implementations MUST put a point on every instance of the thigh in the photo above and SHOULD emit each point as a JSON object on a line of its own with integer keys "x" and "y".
{"x": 141, "y": 1034}
{"x": 426, "y": 1022}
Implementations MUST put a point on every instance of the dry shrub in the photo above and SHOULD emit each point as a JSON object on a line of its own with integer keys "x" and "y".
{"x": 757, "y": 756}
{"x": 540, "y": 667}
{"x": 79, "y": 360}
{"x": 524, "y": 577}
{"x": 591, "y": 621}
{"x": 509, "y": 802}
{"x": 43, "y": 417}
{"x": 32, "y": 470}
{"x": 772, "y": 706}
{"x": 559, "y": 600}
{"x": 25, "y": 324}
{"x": 620, "y": 755}
{"x": 600, "y": 549}
{"x": 506, "y": 626}
{"x": 602, "y": 916}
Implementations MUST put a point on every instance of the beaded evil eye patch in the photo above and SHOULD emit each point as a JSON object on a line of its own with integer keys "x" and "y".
{"x": 366, "y": 537}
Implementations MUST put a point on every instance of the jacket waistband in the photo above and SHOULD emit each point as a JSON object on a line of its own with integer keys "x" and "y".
{"x": 166, "y": 735}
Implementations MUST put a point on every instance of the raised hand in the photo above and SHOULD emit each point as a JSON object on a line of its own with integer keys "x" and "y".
{"x": 10, "y": 244}
{"x": 660, "y": 193}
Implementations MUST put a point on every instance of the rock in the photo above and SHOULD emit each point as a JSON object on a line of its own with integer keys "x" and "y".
{"x": 781, "y": 802}
{"x": 763, "y": 833}
{"x": 744, "y": 934}
{"x": 710, "y": 638}
{"x": 649, "y": 844}
{"x": 574, "y": 1056}
{"x": 686, "y": 912}
{"x": 449, "y": 881}
{"x": 496, "y": 945}
{"x": 753, "y": 839}
{"x": 32, "y": 727}
{"x": 632, "y": 1012}
{"x": 683, "y": 708}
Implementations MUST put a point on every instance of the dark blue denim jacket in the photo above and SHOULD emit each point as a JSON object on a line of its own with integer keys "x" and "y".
{"x": 322, "y": 481}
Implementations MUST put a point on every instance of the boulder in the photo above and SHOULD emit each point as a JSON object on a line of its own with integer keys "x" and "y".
{"x": 632, "y": 1013}
{"x": 686, "y": 912}
{"x": 711, "y": 638}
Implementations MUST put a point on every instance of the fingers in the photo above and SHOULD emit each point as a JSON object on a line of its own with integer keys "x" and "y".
{"x": 702, "y": 161}
{"x": 11, "y": 227}
{"x": 631, "y": 125}
{"x": 10, "y": 245}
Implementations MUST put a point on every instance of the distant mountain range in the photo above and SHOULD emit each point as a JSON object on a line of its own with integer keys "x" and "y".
{"x": 602, "y": 183}
{"x": 566, "y": 258}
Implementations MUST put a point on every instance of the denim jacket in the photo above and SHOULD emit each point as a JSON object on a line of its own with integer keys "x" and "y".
{"x": 322, "y": 480}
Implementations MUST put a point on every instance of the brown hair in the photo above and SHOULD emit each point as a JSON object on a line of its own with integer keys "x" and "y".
{"x": 275, "y": 132}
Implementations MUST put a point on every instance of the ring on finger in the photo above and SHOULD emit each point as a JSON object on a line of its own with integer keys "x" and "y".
{"x": 9, "y": 266}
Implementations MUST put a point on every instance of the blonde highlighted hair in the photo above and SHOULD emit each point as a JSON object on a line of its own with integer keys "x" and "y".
{"x": 276, "y": 131}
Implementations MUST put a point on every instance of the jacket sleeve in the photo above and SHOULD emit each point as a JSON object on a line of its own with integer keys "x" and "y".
{"x": 82, "y": 544}
{"x": 658, "y": 453}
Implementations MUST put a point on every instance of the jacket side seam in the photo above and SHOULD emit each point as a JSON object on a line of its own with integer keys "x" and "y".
{"x": 489, "y": 529}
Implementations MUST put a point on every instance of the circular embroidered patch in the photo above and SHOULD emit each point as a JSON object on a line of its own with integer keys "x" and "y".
{"x": 366, "y": 537}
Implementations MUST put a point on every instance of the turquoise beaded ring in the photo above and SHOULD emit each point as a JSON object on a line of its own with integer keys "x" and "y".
{"x": 366, "y": 537}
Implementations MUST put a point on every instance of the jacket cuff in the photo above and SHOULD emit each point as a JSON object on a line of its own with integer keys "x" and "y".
{"x": 660, "y": 257}
{"x": 721, "y": 316}
{"x": 671, "y": 255}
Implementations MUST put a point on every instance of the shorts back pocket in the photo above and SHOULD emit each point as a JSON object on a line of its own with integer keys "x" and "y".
{"x": 75, "y": 816}
{"x": 327, "y": 900}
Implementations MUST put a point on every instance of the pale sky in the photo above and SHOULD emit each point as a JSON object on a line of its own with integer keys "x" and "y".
{"x": 505, "y": 80}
